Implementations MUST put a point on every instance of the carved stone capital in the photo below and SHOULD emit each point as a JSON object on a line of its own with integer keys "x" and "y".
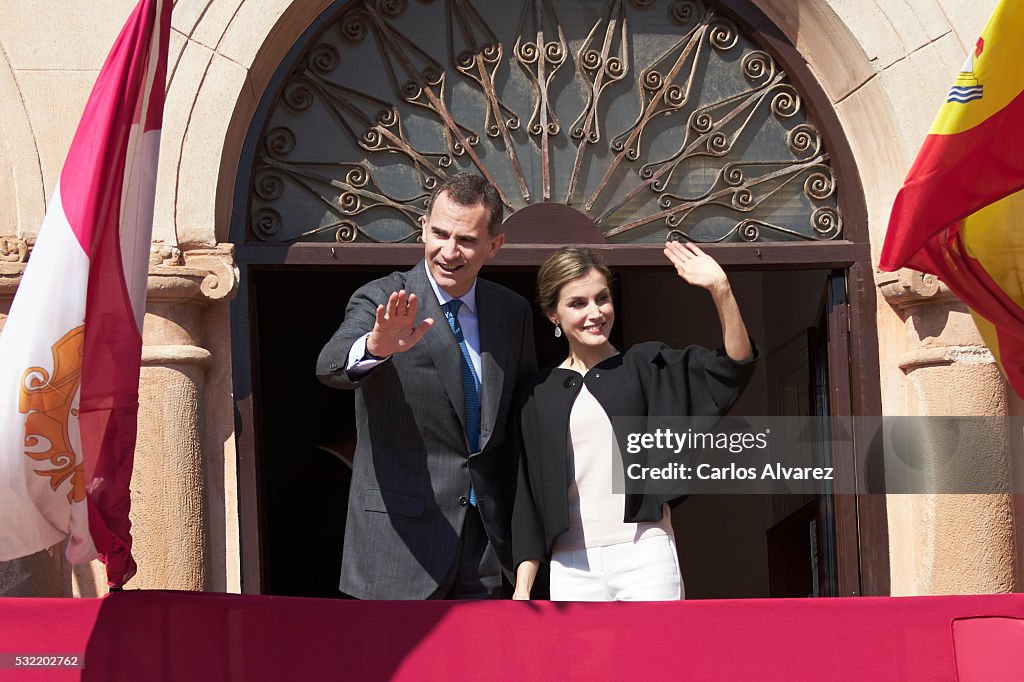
{"x": 164, "y": 254}
{"x": 14, "y": 250}
{"x": 14, "y": 253}
{"x": 221, "y": 284}
{"x": 196, "y": 275}
{"x": 906, "y": 287}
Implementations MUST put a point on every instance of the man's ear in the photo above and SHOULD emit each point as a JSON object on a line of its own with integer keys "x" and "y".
{"x": 423, "y": 228}
{"x": 496, "y": 244}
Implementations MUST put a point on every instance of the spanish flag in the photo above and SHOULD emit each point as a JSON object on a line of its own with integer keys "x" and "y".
{"x": 960, "y": 213}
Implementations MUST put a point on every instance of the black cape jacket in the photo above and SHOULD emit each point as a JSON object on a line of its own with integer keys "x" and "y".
{"x": 648, "y": 379}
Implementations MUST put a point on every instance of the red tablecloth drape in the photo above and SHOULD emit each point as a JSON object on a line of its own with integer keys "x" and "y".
{"x": 141, "y": 635}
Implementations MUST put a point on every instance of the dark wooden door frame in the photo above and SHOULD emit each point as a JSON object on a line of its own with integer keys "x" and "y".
{"x": 861, "y": 520}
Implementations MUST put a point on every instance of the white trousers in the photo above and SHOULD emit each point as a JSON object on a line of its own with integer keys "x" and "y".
{"x": 646, "y": 570}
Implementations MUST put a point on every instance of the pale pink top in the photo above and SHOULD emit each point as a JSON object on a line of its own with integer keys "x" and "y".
{"x": 595, "y": 513}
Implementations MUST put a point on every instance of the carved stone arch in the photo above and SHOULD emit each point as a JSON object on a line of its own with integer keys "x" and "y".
{"x": 278, "y": 73}
{"x": 222, "y": 56}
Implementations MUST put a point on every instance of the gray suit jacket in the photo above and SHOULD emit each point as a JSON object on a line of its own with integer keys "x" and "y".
{"x": 412, "y": 467}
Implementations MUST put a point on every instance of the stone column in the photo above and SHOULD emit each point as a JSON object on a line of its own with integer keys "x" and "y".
{"x": 169, "y": 515}
{"x": 950, "y": 543}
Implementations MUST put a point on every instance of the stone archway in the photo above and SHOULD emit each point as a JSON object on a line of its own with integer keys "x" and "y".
{"x": 304, "y": 78}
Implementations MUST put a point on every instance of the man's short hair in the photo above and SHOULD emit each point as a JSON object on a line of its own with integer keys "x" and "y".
{"x": 469, "y": 189}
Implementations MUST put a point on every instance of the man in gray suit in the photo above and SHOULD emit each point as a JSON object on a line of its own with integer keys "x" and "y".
{"x": 435, "y": 356}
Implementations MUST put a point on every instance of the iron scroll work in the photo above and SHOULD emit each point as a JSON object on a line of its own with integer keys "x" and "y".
{"x": 652, "y": 118}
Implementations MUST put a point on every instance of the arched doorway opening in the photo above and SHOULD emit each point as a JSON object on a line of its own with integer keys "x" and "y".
{"x": 649, "y": 119}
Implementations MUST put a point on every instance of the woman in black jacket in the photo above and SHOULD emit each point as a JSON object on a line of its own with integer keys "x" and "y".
{"x": 602, "y": 546}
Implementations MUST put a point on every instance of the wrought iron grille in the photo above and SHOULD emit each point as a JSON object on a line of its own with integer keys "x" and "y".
{"x": 650, "y": 117}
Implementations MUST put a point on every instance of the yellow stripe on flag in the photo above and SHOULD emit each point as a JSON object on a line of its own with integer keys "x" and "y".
{"x": 988, "y": 335}
{"x": 994, "y": 236}
{"x": 995, "y": 65}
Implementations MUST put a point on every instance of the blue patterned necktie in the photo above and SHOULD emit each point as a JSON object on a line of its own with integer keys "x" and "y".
{"x": 470, "y": 383}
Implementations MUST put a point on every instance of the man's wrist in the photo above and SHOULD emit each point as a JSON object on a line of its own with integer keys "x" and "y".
{"x": 371, "y": 351}
{"x": 369, "y": 355}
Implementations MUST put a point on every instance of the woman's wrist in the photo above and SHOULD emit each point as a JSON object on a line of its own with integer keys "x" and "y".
{"x": 720, "y": 290}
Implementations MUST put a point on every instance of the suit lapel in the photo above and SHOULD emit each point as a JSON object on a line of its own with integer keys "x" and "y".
{"x": 439, "y": 341}
{"x": 494, "y": 353}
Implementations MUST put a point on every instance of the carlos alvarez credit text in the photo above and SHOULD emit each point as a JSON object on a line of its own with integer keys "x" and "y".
{"x": 667, "y": 440}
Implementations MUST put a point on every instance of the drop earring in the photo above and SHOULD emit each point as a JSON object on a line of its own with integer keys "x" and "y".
{"x": 558, "y": 331}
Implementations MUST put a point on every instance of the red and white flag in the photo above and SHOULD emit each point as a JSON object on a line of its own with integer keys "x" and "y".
{"x": 72, "y": 345}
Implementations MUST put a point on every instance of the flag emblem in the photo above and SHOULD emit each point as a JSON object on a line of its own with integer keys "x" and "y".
{"x": 49, "y": 401}
{"x": 967, "y": 88}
